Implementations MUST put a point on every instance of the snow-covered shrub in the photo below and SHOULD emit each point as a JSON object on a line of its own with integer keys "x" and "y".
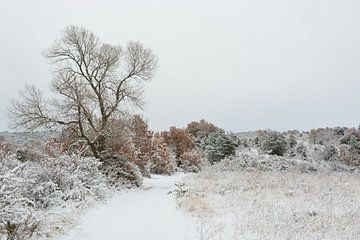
{"x": 120, "y": 171}
{"x": 27, "y": 154}
{"x": 219, "y": 145}
{"x": 244, "y": 143}
{"x": 66, "y": 142}
{"x": 326, "y": 135}
{"x": 291, "y": 141}
{"x": 162, "y": 162}
{"x": 291, "y": 144}
{"x": 339, "y": 131}
{"x": 191, "y": 161}
{"x": 78, "y": 176}
{"x": 352, "y": 138}
{"x": 273, "y": 143}
{"x": 349, "y": 155}
{"x": 25, "y": 230}
{"x": 4, "y": 145}
{"x": 31, "y": 190}
{"x": 256, "y": 140}
{"x": 301, "y": 151}
{"x": 17, "y": 206}
{"x": 350, "y": 149}
{"x": 330, "y": 153}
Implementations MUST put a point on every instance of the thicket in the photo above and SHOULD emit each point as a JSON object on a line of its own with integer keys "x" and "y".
{"x": 273, "y": 143}
{"x": 36, "y": 194}
{"x": 219, "y": 145}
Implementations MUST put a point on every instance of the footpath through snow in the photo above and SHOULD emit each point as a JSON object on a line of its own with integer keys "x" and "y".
{"x": 145, "y": 213}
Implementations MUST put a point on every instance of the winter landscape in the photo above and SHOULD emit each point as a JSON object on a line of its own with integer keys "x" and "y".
{"x": 150, "y": 120}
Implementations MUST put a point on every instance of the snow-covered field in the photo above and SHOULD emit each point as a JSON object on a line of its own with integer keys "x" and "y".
{"x": 256, "y": 204}
{"x": 230, "y": 204}
{"x": 149, "y": 212}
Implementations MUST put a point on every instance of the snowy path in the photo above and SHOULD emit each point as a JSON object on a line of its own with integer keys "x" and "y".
{"x": 146, "y": 213}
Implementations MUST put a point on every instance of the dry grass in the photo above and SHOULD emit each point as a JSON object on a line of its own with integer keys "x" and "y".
{"x": 275, "y": 205}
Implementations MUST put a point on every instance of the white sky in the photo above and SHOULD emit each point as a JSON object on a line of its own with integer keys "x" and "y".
{"x": 243, "y": 65}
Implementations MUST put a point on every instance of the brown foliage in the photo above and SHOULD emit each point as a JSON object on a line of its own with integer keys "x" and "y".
{"x": 162, "y": 161}
{"x": 349, "y": 156}
{"x": 261, "y": 133}
{"x": 201, "y": 128}
{"x": 179, "y": 140}
{"x": 66, "y": 143}
{"x": 324, "y": 135}
{"x": 5, "y": 146}
{"x": 133, "y": 141}
{"x": 141, "y": 139}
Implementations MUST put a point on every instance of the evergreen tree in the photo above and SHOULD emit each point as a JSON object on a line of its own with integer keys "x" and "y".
{"x": 218, "y": 145}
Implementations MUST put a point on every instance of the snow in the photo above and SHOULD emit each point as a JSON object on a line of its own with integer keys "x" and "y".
{"x": 235, "y": 202}
{"x": 149, "y": 212}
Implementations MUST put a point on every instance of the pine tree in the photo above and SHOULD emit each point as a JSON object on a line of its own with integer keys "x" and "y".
{"x": 218, "y": 145}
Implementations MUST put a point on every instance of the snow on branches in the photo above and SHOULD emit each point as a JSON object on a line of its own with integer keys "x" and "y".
{"x": 32, "y": 191}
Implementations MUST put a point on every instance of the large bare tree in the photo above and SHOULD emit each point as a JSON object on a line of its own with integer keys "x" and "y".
{"x": 93, "y": 83}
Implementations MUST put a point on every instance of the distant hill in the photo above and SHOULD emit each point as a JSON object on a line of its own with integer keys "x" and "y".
{"x": 26, "y": 137}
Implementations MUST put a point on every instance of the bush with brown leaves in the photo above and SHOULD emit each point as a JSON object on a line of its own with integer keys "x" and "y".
{"x": 179, "y": 140}
{"x": 349, "y": 155}
{"x": 201, "y": 128}
{"x": 162, "y": 162}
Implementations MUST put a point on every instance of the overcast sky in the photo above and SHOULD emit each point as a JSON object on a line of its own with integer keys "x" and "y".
{"x": 243, "y": 65}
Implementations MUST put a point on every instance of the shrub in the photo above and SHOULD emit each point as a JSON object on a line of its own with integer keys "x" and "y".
{"x": 190, "y": 161}
{"x": 351, "y": 138}
{"x": 291, "y": 141}
{"x": 201, "y": 128}
{"x": 339, "y": 131}
{"x": 5, "y": 147}
{"x": 273, "y": 143}
{"x": 179, "y": 140}
{"x": 30, "y": 189}
{"x": 256, "y": 140}
{"x": 218, "y": 145}
{"x": 349, "y": 155}
{"x": 326, "y": 135}
{"x": 132, "y": 140}
{"x": 120, "y": 171}
{"x": 26, "y": 154}
{"x": 67, "y": 142}
{"x": 141, "y": 139}
{"x": 330, "y": 153}
{"x": 300, "y": 150}
{"x": 162, "y": 162}
{"x": 350, "y": 149}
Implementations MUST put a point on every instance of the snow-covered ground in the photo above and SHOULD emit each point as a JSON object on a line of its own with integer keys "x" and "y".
{"x": 227, "y": 202}
{"x": 235, "y": 203}
{"x": 146, "y": 213}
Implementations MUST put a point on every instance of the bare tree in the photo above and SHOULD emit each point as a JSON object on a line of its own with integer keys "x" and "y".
{"x": 93, "y": 83}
